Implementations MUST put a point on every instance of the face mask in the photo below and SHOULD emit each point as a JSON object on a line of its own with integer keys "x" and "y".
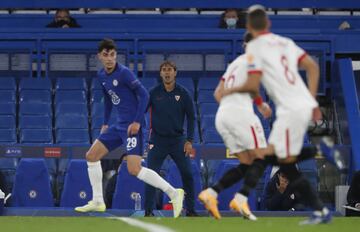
{"x": 231, "y": 22}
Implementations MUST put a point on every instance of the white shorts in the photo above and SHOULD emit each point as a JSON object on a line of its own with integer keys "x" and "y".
{"x": 288, "y": 131}
{"x": 240, "y": 130}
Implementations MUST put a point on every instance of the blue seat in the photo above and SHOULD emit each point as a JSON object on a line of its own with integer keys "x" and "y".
{"x": 71, "y": 121}
{"x": 149, "y": 83}
{"x": 7, "y": 122}
{"x": 35, "y": 96}
{"x": 188, "y": 83}
{"x": 70, "y": 96}
{"x": 208, "y": 108}
{"x": 72, "y": 136}
{"x": 97, "y": 96}
{"x": 211, "y": 136}
{"x": 7, "y": 108}
{"x": 8, "y": 169}
{"x": 95, "y": 134}
{"x": 8, "y": 136}
{"x": 35, "y": 122}
{"x": 7, "y": 96}
{"x": 32, "y": 185}
{"x": 35, "y": 84}
{"x": 77, "y": 188}
{"x": 36, "y": 136}
{"x": 208, "y": 122}
{"x": 206, "y": 96}
{"x": 7, "y": 83}
{"x": 97, "y": 110}
{"x": 70, "y": 83}
{"x": 95, "y": 84}
{"x": 35, "y": 108}
{"x": 71, "y": 108}
{"x": 126, "y": 185}
{"x": 227, "y": 195}
{"x": 174, "y": 178}
{"x": 310, "y": 171}
{"x": 207, "y": 83}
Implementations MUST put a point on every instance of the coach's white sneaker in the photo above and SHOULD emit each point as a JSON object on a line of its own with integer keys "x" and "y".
{"x": 92, "y": 206}
{"x": 177, "y": 202}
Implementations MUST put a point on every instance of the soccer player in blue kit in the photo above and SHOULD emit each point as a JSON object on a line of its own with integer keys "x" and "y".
{"x": 124, "y": 92}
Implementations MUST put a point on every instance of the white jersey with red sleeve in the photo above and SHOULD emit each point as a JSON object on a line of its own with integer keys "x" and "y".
{"x": 236, "y": 75}
{"x": 277, "y": 58}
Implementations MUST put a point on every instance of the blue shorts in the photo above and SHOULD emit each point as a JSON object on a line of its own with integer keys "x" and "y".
{"x": 113, "y": 138}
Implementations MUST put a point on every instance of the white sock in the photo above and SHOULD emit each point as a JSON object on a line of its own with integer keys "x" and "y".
{"x": 212, "y": 192}
{"x": 240, "y": 198}
{"x": 96, "y": 176}
{"x": 152, "y": 178}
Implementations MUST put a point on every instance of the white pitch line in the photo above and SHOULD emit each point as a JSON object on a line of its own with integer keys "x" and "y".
{"x": 150, "y": 227}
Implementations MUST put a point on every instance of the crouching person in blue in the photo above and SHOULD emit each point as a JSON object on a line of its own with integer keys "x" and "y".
{"x": 168, "y": 105}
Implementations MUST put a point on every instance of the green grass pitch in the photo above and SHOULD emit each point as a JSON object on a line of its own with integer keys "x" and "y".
{"x": 206, "y": 224}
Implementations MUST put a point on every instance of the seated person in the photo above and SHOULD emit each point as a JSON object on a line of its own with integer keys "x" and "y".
{"x": 279, "y": 195}
{"x": 63, "y": 19}
{"x": 353, "y": 195}
{"x": 232, "y": 19}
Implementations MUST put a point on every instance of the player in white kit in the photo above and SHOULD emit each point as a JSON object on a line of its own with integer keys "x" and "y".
{"x": 241, "y": 131}
{"x": 274, "y": 60}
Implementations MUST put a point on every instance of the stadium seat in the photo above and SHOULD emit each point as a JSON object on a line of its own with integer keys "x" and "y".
{"x": 149, "y": 83}
{"x": 77, "y": 188}
{"x": 208, "y": 122}
{"x": 70, "y": 83}
{"x": 7, "y": 83}
{"x": 94, "y": 134}
{"x": 310, "y": 171}
{"x": 208, "y": 108}
{"x": 207, "y": 83}
{"x": 188, "y": 83}
{"x": 70, "y": 96}
{"x": 71, "y": 121}
{"x": 126, "y": 185}
{"x": 35, "y": 108}
{"x": 35, "y": 84}
{"x": 7, "y": 122}
{"x": 52, "y": 166}
{"x": 7, "y": 96}
{"x": 32, "y": 185}
{"x": 8, "y": 136}
{"x": 35, "y": 122}
{"x": 97, "y": 110}
{"x": 71, "y": 108}
{"x": 174, "y": 178}
{"x": 35, "y": 96}
{"x": 8, "y": 108}
{"x": 8, "y": 169}
{"x": 211, "y": 136}
{"x": 36, "y": 136}
{"x": 72, "y": 136}
{"x": 206, "y": 96}
{"x": 227, "y": 195}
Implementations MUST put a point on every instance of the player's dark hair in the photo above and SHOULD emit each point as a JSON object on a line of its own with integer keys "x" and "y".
{"x": 257, "y": 18}
{"x": 247, "y": 37}
{"x": 107, "y": 44}
{"x": 169, "y": 63}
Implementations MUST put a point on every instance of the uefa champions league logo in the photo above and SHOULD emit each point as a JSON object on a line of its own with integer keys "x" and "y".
{"x": 82, "y": 194}
{"x": 32, "y": 194}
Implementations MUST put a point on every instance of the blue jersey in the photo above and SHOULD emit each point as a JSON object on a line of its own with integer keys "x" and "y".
{"x": 124, "y": 92}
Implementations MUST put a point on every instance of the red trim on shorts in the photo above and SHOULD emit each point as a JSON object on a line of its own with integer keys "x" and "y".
{"x": 254, "y": 136}
{"x": 301, "y": 57}
{"x": 287, "y": 143}
{"x": 255, "y": 72}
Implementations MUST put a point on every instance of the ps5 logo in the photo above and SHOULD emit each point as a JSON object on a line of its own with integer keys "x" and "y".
{"x": 114, "y": 98}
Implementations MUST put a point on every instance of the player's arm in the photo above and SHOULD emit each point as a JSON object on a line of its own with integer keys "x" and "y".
{"x": 190, "y": 117}
{"x": 312, "y": 73}
{"x": 107, "y": 111}
{"x": 218, "y": 93}
{"x": 251, "y": 85}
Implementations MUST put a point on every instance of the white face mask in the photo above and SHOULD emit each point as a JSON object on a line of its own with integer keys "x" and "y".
{"x": 231, "y": 22}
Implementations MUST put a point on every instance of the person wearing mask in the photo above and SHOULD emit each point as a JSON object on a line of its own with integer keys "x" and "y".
{"x": 232, "y": 19}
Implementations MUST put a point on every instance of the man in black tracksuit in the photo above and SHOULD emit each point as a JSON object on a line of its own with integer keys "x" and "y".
{"x": 169, "y": 103}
